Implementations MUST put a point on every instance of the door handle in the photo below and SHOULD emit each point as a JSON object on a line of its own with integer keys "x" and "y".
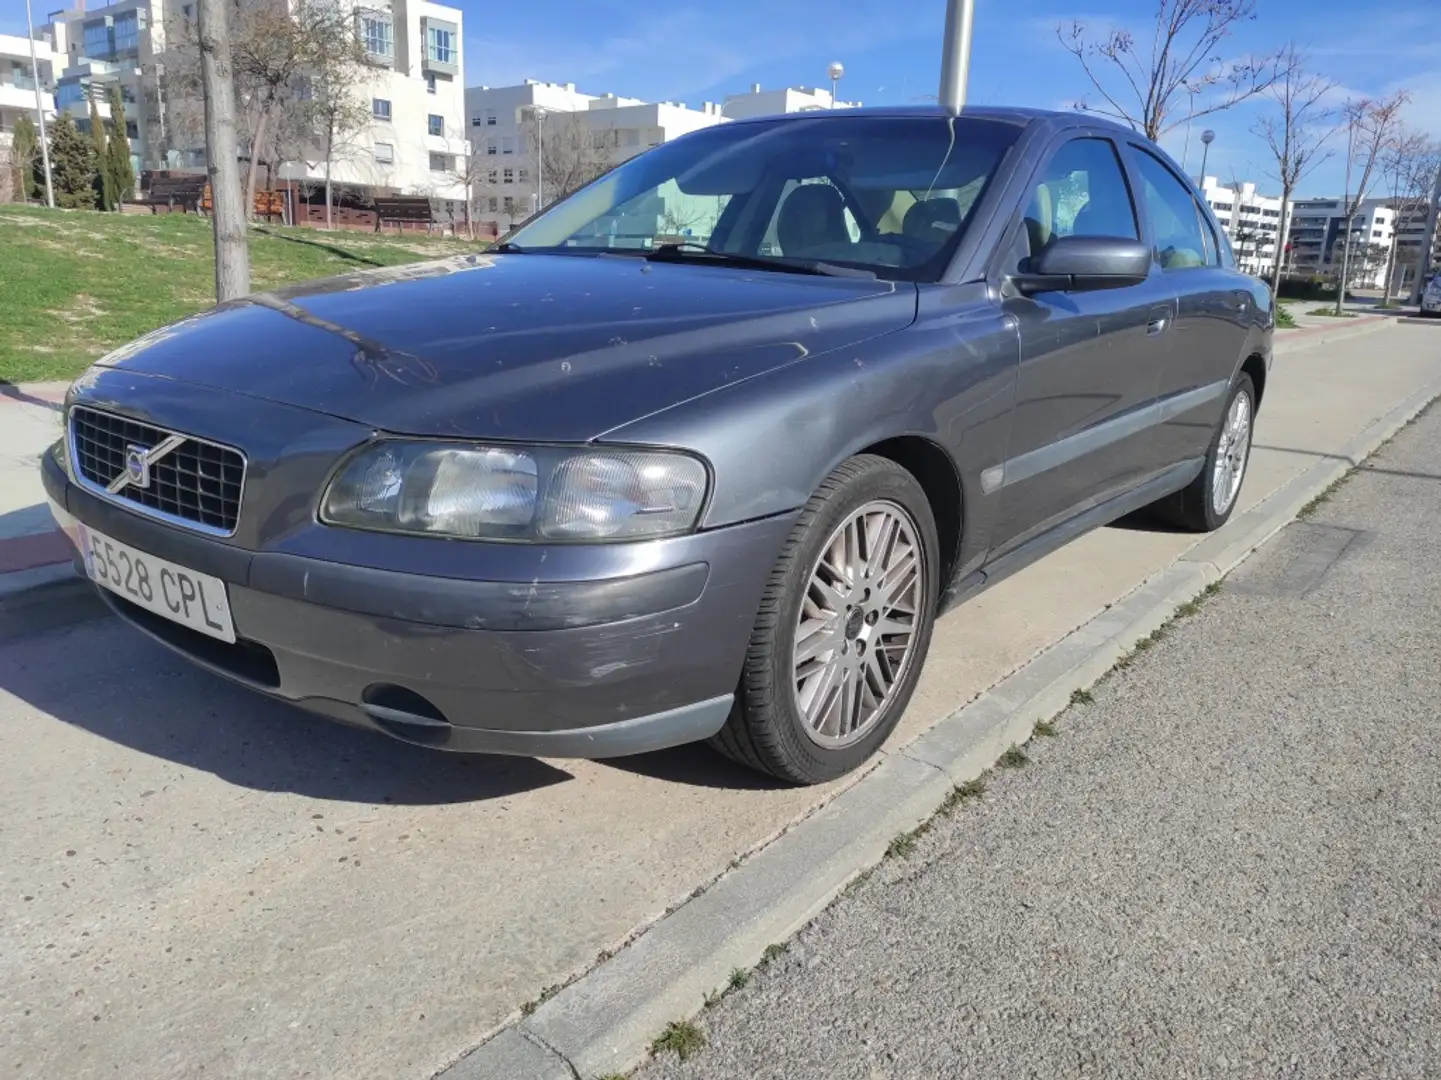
{"x": 1160, "y": 319}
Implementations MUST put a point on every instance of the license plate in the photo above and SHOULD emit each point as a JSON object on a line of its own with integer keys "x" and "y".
{"x": 198, "y": 601}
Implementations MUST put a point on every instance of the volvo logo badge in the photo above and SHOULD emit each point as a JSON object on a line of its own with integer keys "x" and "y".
{"x": 137, "y": 466}
{"x": 138, "y": 460}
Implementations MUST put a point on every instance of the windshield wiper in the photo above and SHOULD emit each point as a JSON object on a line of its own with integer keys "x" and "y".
{"x": 508, "y": 248}
{"x": 686, "y": 250}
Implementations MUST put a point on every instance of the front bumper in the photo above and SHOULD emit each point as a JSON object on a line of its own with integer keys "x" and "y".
{"x": 587, "y": 667}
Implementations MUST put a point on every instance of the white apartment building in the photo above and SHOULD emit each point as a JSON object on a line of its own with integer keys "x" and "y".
{"x": 504, "y": 120}
{"x": 503, "y": 125}
{"x": 415, "y": 143}
{"x": 1411, "y": 222}
{"x": 1317, "y": 233}
{"x": 18, "y": 85}
{"x": 1255, "y": 223}
{"x": 774, "y": 102}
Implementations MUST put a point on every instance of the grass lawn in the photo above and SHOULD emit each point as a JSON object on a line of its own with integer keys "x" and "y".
{"x": 76, "y": 284}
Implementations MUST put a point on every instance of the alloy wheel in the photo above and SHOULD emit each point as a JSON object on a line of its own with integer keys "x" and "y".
{"x": 857, "y": 624}
{"x": 1232, "y": 453}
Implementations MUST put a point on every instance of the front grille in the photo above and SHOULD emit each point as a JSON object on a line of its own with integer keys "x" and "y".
{"x": 197, "y": 483}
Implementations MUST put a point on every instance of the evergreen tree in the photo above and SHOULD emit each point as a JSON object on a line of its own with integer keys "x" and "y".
{"x": 104, "y": 189}
{"x": 25, "y": 152}
{"x": 117, "y": 150}
{"x": 72, "y": 165}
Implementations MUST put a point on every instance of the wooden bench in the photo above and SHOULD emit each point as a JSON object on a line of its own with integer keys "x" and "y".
{"x": 268, "y": 204}
{"x": 173, "y": 191}
{"x": 412, "y": 210}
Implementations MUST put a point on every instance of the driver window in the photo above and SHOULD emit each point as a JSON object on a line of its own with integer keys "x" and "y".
{"x": 1082, "y": 192}
{"x": 1175, "y": 219}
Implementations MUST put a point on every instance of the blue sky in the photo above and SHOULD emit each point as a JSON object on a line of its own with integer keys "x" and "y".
{"x": 697, "y": 50}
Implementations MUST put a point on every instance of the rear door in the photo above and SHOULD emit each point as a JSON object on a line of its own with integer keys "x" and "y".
{"x": 1214, "y": 314}
{"x": 1090, "y": 361}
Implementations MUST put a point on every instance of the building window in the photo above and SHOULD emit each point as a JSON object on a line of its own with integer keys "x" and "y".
{"x": 489, "y": 147}
{"x": 377, "y": 34}
{"x": 69, "y": 94}
{"x": 524, "y": 176}
{"x": 494, "y": 204}
{"x": 430, "y": 82}
{"x": 132, "y": 129}
{"x": 438, "y": 45}
{"x": 127, "y": 32}
{"x": 384, "y": 153}
{"x": 439, "y": 162}
{"x": 435, "y": 125}
{"x": 490, "y": 118}
{"x": 509, "y": 205}
{"x": 475, "y": 121}
{"x": 98, "y": 41}
{"x": 380, "y": 108}
{"x": 187, "y": 10}
{"x": 490, "y": 177}
{"x": 509, "y": 176}
{"x": 507, "y": 145}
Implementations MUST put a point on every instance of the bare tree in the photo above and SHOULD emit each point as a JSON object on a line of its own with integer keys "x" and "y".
{"x": 1372, "y": 128}
{"x": 1409, "y": 168}
{"x": 1296, "y": 135}
{"x": 570, "y": 152}
{"x": 335, "y": 106}
{"x": 1142, "y": 85}
{"x": 232, "y": 253}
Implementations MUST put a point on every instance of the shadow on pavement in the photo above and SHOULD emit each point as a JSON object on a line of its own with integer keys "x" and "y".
{"x": 696, "y": 765}
{"x": 105, "y": 678}
{"x": 14, "y": 393}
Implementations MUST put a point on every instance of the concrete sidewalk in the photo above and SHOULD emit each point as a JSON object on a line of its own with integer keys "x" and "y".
{"x": 257, "y": 893}
{"x": 1224, "y": 865}
{"x": 32, "y": 552}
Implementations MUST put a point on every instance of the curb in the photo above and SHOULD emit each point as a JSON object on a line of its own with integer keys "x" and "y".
{"x": 603, "y": 1023}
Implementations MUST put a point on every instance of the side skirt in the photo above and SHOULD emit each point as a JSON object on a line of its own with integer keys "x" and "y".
{"x": 1172, "y": 480}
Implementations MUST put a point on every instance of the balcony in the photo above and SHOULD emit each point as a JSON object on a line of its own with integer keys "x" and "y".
{"x": 20, "y": 94}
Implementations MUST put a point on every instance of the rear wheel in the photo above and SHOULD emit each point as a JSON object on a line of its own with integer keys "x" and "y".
{"x": 844, "y": 627}
{"x": 1208, "y": 501}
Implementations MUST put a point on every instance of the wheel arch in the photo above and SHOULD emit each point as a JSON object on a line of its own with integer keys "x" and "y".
{"x": 938, "y": 476}
{"x": 1255, "y": 366}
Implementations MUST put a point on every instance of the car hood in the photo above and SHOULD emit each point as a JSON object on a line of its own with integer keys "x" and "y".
{"x": 538, "y": 347}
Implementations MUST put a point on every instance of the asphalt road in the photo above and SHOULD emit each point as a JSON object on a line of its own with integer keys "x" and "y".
{"x": 1227, "y": 865}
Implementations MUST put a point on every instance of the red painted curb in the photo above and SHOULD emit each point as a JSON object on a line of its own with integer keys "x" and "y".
{"x": 29, "y": 552}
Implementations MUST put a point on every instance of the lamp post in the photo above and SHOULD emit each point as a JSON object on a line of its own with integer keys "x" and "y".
{"x": 40, "y": 109}
{"x": 836, "y": 71}
{"x": 1207, "y": 138}
{"x": 956, "y": 55}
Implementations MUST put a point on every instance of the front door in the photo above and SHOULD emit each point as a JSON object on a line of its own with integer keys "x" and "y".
{"x": 1214, "y": 311}
{"x": 1090, "y": 361}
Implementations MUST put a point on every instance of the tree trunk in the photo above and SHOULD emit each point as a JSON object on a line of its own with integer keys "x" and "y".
{"x": 255, "y": 142}
{"x": 1345, "y": 269}
{"x": 329, "y": 153}
{"x": 1390, "y": 269}
{"x": 232, "y": 256}
{"x": 1283, "y": 236}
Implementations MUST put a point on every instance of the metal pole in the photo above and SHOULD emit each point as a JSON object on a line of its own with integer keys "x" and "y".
{"x": 1428, "y": 238}
{"x": 1205, "y": 154}
{"x": 956, "y": 54}
{"x": 40, "y": 110}
{"x": 539, "y": 160}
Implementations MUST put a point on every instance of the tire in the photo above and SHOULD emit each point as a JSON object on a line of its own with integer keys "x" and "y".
{"x": 1194, "y": 508}
{"x": 768, "y": 728}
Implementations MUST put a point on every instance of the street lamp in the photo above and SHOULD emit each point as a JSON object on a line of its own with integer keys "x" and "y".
{"x": 40, "y": 109}
{"x": 836, "y": 71}
{"x": 1207, "y": 138}
{"x": 956, "y": 55}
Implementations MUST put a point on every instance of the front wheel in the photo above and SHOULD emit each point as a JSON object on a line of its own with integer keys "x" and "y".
{"x": 844, "y": 627}
{"x": 1207, "y": 502}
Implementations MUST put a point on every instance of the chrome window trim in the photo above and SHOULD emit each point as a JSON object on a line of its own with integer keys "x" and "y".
{"x": 86, "y": 484}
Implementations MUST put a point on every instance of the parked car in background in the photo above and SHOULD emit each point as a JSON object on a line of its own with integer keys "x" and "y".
{"x": 1431, "y": 297}
{"x": 592, "y": 494}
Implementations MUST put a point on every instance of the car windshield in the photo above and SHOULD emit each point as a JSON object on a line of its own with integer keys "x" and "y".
{"x": 888, "y": 195}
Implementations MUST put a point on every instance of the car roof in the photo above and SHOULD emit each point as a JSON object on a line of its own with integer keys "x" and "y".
{"x": 1020, "y": 116}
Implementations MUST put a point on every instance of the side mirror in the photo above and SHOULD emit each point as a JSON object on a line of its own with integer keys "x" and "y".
{"x": 1084, "y": 264}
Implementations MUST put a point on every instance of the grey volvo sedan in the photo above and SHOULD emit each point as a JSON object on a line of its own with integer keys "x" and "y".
{"x": 700, "y": 452}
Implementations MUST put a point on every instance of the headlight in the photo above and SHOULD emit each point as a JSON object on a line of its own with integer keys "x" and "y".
{"x": 513, "y": 493}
